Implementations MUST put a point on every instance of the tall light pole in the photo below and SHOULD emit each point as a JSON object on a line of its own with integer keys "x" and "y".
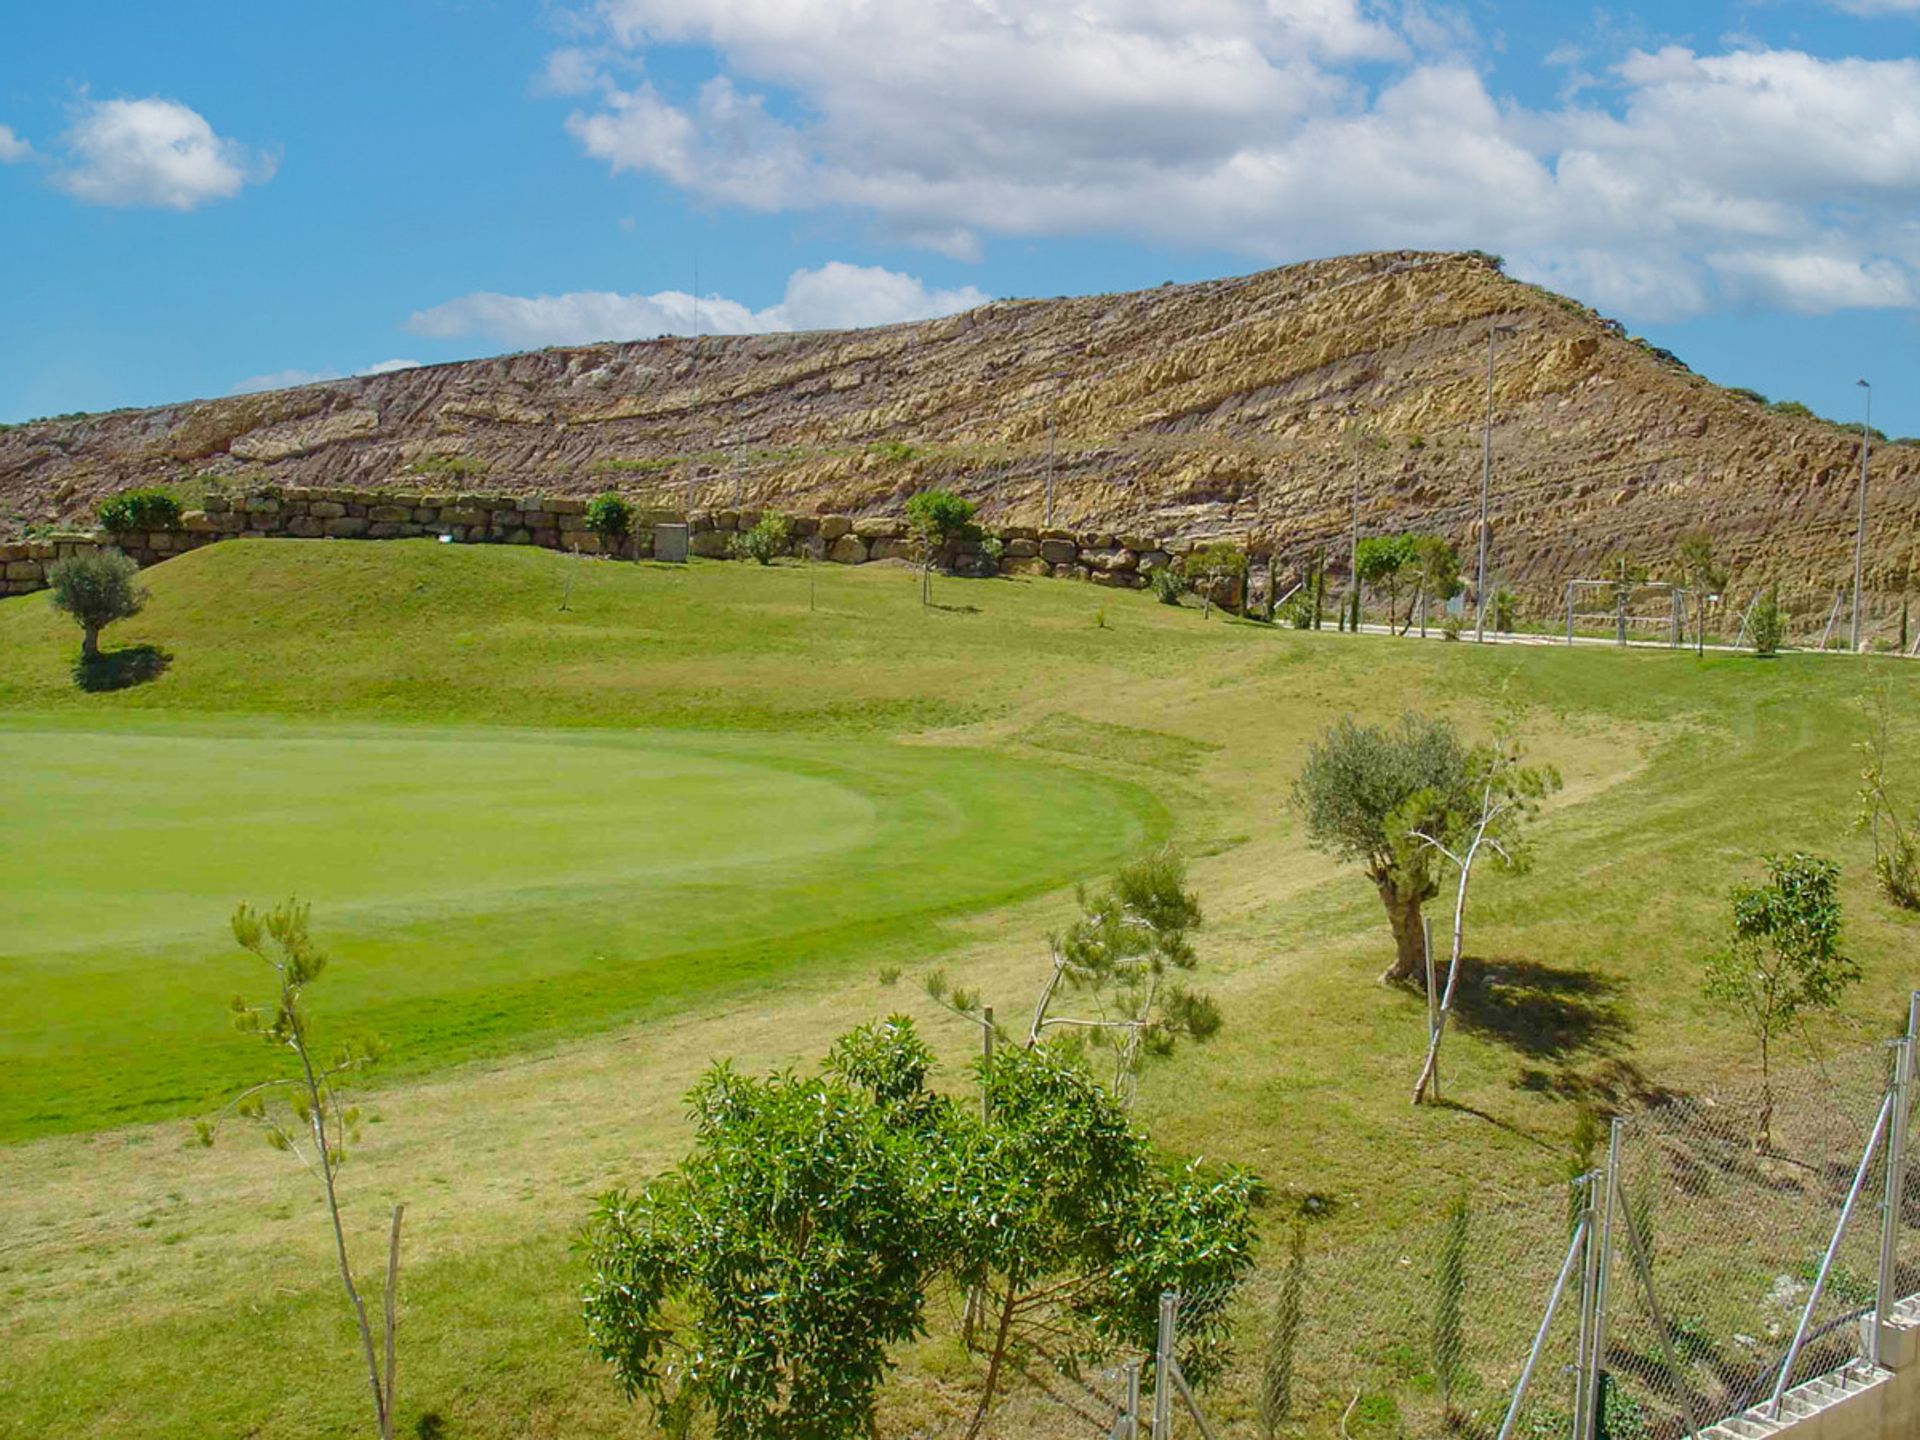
{"x": 1860, "y": 535}
{"x": 1486, "y": 486}
{"x": 1353, "y": 543}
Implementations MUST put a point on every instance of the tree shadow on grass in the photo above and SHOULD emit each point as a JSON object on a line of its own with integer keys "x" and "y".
{"x": 121, "y": 669}
{"x": 1543, "y": 1013}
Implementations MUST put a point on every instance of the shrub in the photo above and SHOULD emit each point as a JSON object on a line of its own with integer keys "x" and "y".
{"x": 1166, "y": 583}
{"x": 992, "y": 550}
{"x": 1768, "y": 625}
{"x": 96, "y": 590}
{"x": 610, "y": 517}
{"x": 140, "y": 510}
{"x": 766, "y": 540}
{"x": 457, "y": 466}
{"x": 1503, "y": 608}
{"x": 1450, "y": 627}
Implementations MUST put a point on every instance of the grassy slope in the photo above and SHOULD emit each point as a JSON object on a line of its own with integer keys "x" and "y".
{"x": 129, "y": 1254}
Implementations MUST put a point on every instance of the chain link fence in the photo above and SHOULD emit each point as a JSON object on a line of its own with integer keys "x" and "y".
{"x": 1695, "y": 1252}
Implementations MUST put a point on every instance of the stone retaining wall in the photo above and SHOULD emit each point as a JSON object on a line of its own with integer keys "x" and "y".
{"x": 554, "y": 523}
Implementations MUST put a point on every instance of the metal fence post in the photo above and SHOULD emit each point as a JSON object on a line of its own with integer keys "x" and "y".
{"x": 1574, "y": 1248}
{"x": 1127, "y": 1426}
{"x": 1163, "y": 1367}
{"x": 1826, "y": 1264}
{"x": 1890, "y": 1219}
{"x": 1589, "y": 1292}
{"x": 1602, "y": 1268}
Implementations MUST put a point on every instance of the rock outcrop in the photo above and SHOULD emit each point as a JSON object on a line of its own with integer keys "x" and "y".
{"x": 1250, "y": 409}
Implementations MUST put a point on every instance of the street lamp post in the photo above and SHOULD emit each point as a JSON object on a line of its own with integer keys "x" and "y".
{"x": 1486, "y": 486}
{"x": 1860, "y": 534}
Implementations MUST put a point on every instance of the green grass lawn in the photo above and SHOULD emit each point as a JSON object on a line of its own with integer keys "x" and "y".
{"x": 483, "y": 888}
{"x": 563, "y": 859}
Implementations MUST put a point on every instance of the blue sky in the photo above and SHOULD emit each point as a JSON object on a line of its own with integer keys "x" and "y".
{"x": 201, "y": 197}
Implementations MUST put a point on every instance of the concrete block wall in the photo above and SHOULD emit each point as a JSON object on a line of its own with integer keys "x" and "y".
{"x": 556, "y": 523}
{"x": 1857, "y": 1402}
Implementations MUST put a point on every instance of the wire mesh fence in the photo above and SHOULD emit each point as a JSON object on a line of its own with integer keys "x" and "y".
{"x": 1716, "y": 1259}
{"x": 1697, "y": 1257}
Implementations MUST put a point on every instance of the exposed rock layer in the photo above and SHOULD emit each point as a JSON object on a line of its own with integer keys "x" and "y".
{"x": 1244, "y": 408}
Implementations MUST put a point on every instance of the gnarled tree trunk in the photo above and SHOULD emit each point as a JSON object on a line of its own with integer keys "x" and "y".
{"x": 1409, "y": 935}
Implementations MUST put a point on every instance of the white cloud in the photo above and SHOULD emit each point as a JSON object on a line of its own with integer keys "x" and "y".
{"x": 154, "y": 152}
{"x": 1878, "y": 7}
{"x": 834, "y": 296}
{"x": 1673, "y": 182}
{"x": 283, "y": 380}
{"x": 13, "y": 148}
{"x": 287, "y": 379}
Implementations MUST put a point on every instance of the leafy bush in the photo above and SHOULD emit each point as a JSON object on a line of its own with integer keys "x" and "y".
{"x": 767, "y": 539}
{"x": 1450, "y": 627}
{"x": 96, "y": 589}
{"x": 992, "y": 550}
{"x": 610, "y": 517}
{"x": 1503, "y": 609}
{"x": 894, "y": 452}
{"x": 1167, "y": 584}
{"x": 140, "y": 510}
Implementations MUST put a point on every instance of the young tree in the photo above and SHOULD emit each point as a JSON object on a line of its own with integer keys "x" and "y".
{"x": 96, "y": 588}
{"x": 765, "y": 541}
{"x": 305, "y": 1114}
{"x": 939, "y": 520}
{"x": 763, "y": 1280}
{"x": 1213, "y": 570}
{"x": 610, "y": 516}
{"x": 1769, "y": 626}
{"x": 1068, "y": 1219}
{"x": 1784, "y": 959}
{"x": 1703, "y": 576}
{"x": 1896, "y": 855}
{"x": 1449, "y": 1301}
{"x": 1486, "y": 816}
{"x": 1364, "y": 791}
{"x": 1121, "y": 954}
{"x": 1384, "y": 560}
{"x": 1436, "y": 569}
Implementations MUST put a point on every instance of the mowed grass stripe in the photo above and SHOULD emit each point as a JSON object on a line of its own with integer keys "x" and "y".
{"x": 480, "y": 893}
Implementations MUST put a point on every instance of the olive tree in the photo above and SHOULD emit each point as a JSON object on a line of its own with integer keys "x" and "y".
{"x": 939, "y": 520}
{"x": 305, "y": 1113}
{"x": 1364, "y": 792}
{"x": 1485, "y": 818}
{"x": 96, "y": 588}
{"x": 1783, "y": 961}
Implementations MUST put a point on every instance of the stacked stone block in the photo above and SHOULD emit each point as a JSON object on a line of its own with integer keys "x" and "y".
{"x": 556, "y": 523}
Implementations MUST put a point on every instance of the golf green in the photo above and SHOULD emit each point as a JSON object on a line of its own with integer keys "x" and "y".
{"x": 478, "y": 889}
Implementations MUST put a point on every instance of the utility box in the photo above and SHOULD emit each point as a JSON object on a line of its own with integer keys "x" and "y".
{"x": 670, "y": 543}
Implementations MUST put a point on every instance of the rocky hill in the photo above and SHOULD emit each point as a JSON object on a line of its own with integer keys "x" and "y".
{"x": 1246, "y": 408}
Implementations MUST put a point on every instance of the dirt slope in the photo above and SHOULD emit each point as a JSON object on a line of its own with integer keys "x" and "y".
{"x": 1242, "y": 407}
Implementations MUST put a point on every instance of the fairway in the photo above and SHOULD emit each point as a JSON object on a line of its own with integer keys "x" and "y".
{"x": 563, "y": 859}
{"x": 478, "y": 889}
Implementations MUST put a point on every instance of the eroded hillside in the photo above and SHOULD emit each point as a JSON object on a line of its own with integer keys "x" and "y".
{"x": 1244, "y": 408}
